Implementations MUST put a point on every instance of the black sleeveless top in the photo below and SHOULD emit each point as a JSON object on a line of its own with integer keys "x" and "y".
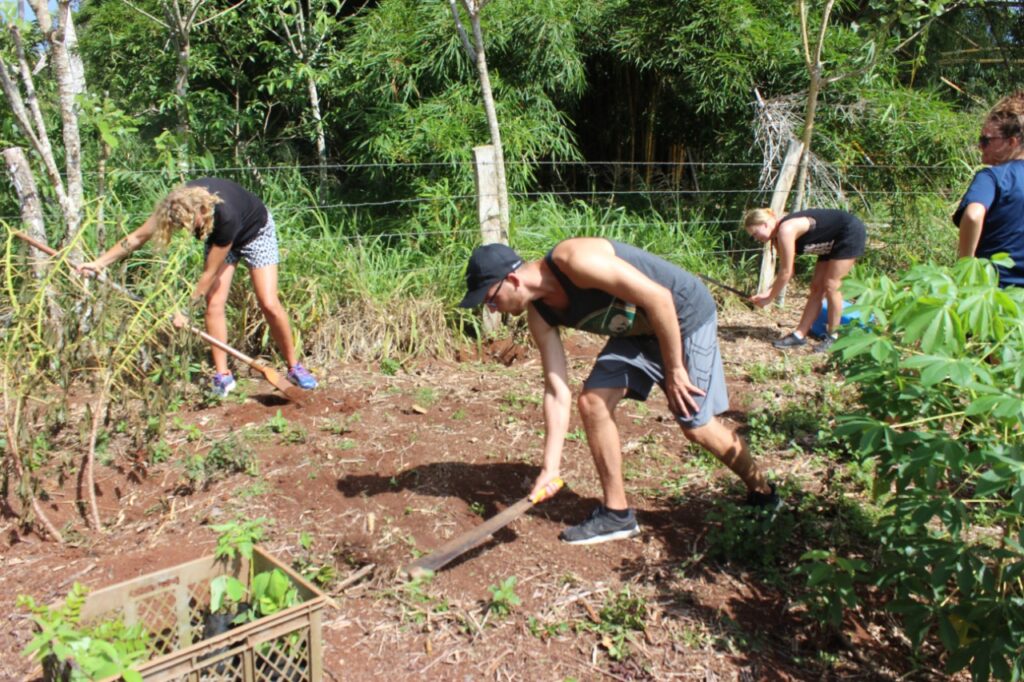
{"x": 599, "y": 312}
{"x": 829, "y": 227}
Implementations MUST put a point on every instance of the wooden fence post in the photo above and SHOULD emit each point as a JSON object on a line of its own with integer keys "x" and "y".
{"x": 779, "y": 196}
{"x": 489, "y": 212}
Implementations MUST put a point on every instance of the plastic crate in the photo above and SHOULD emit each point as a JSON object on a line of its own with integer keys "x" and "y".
{"x": 171, "y": 604}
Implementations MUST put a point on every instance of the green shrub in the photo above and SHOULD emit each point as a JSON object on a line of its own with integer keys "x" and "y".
{"x": 939, "y": 371}
{"x": 100, "y": 650}
{"x": 747, "y": 536}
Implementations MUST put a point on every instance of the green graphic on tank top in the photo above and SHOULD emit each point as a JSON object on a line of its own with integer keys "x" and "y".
{"x": 618, "y": 319}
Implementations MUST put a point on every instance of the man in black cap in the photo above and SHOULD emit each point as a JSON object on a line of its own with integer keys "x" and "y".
{"x": 663, "y": 327}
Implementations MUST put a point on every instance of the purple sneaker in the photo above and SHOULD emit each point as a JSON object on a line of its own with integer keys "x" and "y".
{"x": 222, "y": 384}
{"x": 301, "y": 377}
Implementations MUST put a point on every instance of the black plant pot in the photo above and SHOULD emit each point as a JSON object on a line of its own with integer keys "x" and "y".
{"x": 55, "y": 670}
{"x": 217, "y": 624}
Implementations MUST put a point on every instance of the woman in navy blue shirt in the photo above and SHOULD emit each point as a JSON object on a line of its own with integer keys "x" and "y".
{"x": 991, "y": 214}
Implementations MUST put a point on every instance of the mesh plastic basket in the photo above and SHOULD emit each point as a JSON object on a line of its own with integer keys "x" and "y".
{"x": 172, "y": 604}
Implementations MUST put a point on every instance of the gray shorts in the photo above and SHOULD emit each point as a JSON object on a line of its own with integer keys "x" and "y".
{"x": 634, "y": 363}
{"x": 260, "y": 252}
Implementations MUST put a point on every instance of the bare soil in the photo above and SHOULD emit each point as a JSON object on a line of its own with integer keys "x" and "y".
{"x": 379, "y": 469}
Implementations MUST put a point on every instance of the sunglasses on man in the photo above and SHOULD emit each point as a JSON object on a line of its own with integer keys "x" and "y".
{"x": 489, "y": 301}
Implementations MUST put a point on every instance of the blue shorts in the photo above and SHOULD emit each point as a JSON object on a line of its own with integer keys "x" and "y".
{"x": 634, "y": 363}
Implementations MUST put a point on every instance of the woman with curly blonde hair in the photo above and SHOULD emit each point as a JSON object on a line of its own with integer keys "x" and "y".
{"x": 991, "y": 213}
{"x": 235, "y": 225}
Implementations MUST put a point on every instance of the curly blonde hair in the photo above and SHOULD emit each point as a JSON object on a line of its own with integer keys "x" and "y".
{"x": 1008, "y": 115}
{"x": 758, "y": 215}
{"x": 178, "y": 210}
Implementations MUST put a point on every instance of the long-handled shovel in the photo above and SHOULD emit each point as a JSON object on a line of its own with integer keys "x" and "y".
{"x": 293, "y": 393}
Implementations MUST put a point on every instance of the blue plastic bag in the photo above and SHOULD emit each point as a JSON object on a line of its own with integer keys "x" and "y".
{"x": 820, "y": 326}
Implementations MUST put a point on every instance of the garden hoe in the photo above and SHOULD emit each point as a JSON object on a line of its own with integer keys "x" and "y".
{"x": 293, "y": 393}
{"x": 732, "y": 290}
{"x": 475, "y": 536}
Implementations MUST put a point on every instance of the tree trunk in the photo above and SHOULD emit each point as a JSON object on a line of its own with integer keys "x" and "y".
{"x": 29, "y": 117}
{"x": 71, "y": 84}
{"x": 814, "y": 69}
{"x": 492, "y": 121}
{"x": 181, "y": 86}
{"x": 321, "y": 139}
{"x": 652, "y": 119}
{"x": 69, "y": 87}
{"x": 28, "y": 198}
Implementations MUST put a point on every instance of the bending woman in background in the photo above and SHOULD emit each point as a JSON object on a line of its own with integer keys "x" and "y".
{"x": 235, "y": 225}
{"x": 991, "y": 214}
{"x": 836, "y": 237}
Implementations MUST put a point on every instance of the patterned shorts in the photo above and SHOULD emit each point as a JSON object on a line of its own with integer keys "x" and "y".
{"x": 260, "y": 252}
{"x": 634, "y": 363}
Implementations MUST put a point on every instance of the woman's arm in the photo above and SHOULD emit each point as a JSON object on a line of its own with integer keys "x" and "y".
{"x": 785, "y": 245}
{"x": 132, "y": 242}
{"x": 214, "y": 260}
{"x": 971, "y": 223}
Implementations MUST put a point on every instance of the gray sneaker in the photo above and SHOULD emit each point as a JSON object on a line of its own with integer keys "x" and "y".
{"x": 601, "y": 526}
{"x": 825, "y": 344}
{"x": 791, "y": 340}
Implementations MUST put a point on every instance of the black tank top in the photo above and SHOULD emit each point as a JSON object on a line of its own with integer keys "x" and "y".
{"x": 599, "y": 312}
{"x": 829, "y": 226}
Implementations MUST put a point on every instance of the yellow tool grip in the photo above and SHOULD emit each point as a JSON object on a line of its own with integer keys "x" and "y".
{"x": 547, "y": 491}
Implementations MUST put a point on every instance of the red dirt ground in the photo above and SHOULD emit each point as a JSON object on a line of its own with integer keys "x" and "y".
{"x": 392, "y": 466}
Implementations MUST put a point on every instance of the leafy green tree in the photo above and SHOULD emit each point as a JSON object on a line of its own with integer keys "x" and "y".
{"x": 300, "y": 45}
{"x": 409, "y": 94}
{"x": 975, "y": 51}
{"x": 886, "y": 27}
{"x": 179, "y": 19}
{"x": 126, "y": 56}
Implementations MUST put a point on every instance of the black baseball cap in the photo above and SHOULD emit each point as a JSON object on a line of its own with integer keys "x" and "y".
{"x": 489, "y": 263}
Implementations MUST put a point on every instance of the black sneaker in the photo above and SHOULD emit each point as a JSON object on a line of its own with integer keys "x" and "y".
{"x": 601, "y": 526}
{"x": 769, "y": 500}
{"x": 824, "y": 345}
{"x": 791, "y": 340}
